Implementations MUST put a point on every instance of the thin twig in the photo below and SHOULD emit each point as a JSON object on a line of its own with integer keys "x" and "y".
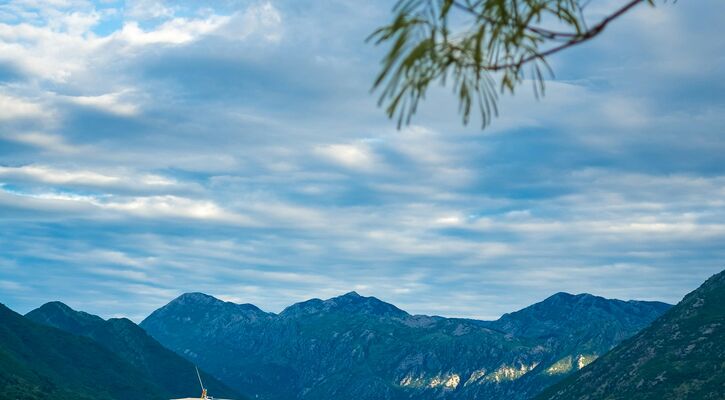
{"x": 575, "y": 38}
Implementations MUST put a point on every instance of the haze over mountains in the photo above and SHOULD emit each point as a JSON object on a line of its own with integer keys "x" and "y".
{"x": 360, "y": 347}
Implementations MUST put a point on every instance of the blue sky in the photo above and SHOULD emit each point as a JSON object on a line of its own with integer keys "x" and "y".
{"x": 151, "y": 148}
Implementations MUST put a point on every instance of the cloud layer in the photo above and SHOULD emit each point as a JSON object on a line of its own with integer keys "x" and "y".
{"x": 149, "y": 148}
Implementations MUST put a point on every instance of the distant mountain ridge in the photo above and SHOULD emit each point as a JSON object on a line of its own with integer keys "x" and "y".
{"x": 595, "y": 321}
{"x": 352, "y": 346}
{"x": 172, "y": 374}
{"x": 680, "y": 356}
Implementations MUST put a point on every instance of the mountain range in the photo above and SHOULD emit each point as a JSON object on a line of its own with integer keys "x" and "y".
{"x": 359, "y": 347}
{"x": 579, "y": 347}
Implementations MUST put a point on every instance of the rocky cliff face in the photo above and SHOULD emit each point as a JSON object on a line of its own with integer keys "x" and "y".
{"x": 363, "y": 348}
{"x": 680, "y": 356}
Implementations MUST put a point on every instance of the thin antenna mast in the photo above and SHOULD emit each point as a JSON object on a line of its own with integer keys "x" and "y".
{"x": 200, "y": 382}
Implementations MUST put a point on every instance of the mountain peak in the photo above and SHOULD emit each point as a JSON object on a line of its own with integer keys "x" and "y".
{"x": 351, "y": 298}
{"x": 55, "y": 305}
{"x": 56, "y": 313}
{"x": 196, "y": 297}
{"x": 203, "y": 299}
{"x": 189, "y": 308}
{"x": 350, "y": 302}
{"x": 59, "y": 308}
{"x": 570, "y": 296}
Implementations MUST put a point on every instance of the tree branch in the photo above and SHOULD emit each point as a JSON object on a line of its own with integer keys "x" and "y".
{"x": 576, "y": 39}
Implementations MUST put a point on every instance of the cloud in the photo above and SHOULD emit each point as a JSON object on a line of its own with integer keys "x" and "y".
{"x": 50, "y": 175}
{"x": 148, "y": 9}
{"x": 45, "y": 141}
{"x": 358, "y": 156}
{"x": 261, "y": 20}
{"x": 65, "y": 48}
{"x": 172, "y": 206}
{"x": 175, "y": 31}
{"x": 14, "y": 108}
{"x": 234, "y": 148}
{"x": 11, "y": 286}
{"x": 111, "y": 102}
{"x": 57, "y": 176}
{"x": 161, "y": 207}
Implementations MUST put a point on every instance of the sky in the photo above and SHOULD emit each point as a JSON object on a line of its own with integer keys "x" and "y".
{"x": 150, "y": 148}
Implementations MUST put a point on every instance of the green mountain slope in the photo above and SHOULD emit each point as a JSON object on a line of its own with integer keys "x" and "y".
{"x": 362, "y": 348}
{"x": 40, "y": 362}
{"x": 680, "y": 356}
{"x": 172, "y": 373}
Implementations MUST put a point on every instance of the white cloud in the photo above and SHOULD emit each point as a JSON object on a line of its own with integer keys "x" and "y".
{"x": 110, "y": 102}
{"x": 174, "y": 31}
{"x": 281, "y": 214}
{"x": 160, "y": 207}
{"x": 74, "y": 23}
{"x": 358, "y": 156}
{"x": 64, "y": 49}
{"x": 148, "y": 9}
{"x": 57, "y": 176}
{"x": 46, "y": 141}
{"x": 53, "y": 175}
{"x": 131, "y": 275}
{"x": 14, "y": 107}
{"x": 45, "y": 53}
{"x": 11, "y": 286}
{"x": 450, "y": 220}
{"x": 422, "y": 145}
{"x": 625, "y": 112}
{"x": 172, "y": 206}
{"x": 261, "y": 20}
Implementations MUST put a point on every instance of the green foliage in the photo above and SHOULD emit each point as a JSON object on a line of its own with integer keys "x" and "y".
{"x": 481, "y": 47}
